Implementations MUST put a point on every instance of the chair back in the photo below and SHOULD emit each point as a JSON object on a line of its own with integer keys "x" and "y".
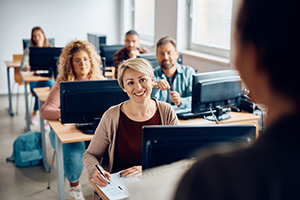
{"x": 18, "y": 77}
{"x": 108, "y": 51}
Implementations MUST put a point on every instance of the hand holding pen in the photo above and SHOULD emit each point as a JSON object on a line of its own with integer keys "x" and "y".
{"x": 101, "y": 177}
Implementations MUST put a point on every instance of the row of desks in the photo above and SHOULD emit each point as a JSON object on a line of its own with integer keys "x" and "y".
{"x": 69, "y": 133}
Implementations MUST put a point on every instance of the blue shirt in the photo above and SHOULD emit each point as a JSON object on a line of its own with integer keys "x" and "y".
{"x": 182, "y": 84}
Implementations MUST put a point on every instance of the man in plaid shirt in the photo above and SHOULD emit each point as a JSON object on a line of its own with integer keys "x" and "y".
{"x": 131, "y": 50}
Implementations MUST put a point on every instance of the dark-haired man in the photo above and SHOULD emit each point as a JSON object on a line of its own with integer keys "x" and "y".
{"x": 131, "y": 50}
{"x": 173, "y": 81}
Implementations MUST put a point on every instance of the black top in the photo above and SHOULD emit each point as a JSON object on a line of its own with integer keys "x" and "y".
{"x": 268, "y": 169}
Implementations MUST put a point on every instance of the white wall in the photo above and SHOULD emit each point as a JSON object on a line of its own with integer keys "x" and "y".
{"x": 64, "y": 20}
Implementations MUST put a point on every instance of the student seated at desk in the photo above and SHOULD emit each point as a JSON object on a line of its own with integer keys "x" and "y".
{"x": 78, "y": 61}
{"x": 131, "y": 50}
{"x": 173, "y": 81}
{"x": 118, "y": 137}
{"x": 269, "y": 168}
{"x": 38, "y": 39}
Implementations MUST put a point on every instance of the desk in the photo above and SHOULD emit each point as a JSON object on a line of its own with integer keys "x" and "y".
{"x": 69, "y": 133}
{"x": 236, "y": 118}
{"x": 64, "y": 134}
{"x": 10, "y": 64}
{"x": 42, "y": 94}
{"x": 29, "y": 77}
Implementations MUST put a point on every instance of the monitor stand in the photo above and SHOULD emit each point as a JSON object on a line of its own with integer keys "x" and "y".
{"x": 219, "y": 115}
{"x": 88, "y": 128}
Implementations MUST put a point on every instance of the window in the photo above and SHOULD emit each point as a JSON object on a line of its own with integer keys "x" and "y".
{"x": 143, "y": 21}
{"x": 210, "y": 26}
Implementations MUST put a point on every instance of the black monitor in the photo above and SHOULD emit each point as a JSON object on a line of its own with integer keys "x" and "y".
{"x": 97, "y": 40}
{"x": 216, "y": 91}
{"x": 213, "y": 94}
{"x": 108, "y": 51}
{"x": 84, "y": 102}
{"x": 44, "y": 58}
{"x": 26, "y": 42}
{"x": 167, "y": 144}
{"x": 152, "y": 58}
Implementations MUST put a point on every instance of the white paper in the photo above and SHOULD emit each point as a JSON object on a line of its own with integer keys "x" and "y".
{"x": 116, "y": 189}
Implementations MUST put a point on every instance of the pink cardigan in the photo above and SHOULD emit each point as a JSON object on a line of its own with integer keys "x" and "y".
{"x": 51, "y": 107}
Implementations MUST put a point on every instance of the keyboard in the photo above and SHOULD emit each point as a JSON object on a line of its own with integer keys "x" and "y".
{"x": 190, "y": 115}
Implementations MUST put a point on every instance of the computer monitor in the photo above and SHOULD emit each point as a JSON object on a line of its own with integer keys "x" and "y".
{"x": 214, "y": 92}
{"x": 152, "y": 58}
{"x": 44, "y": 58}
{"x": 97, "y": 40}
{"x": 84, "y": 102}
{"x": 167, "y": 144}
{"x": 108, "y": 51}
{"x": 26, "y": 42}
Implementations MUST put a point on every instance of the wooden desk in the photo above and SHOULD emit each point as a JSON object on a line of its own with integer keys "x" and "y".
{"x": 64, "y": 134}
{"x": 9, "y": 65}
{"x": 42, "y": 94}
{"x": 236, "y": 118}
{"x": 29, "y": 77}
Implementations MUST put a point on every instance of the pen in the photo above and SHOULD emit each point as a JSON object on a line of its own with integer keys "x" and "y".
{"x": 100, "y": 171}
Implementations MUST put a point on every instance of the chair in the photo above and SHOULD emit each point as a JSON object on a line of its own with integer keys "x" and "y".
{"x": 17, "y": 76}
{"x": 108, "y": 51}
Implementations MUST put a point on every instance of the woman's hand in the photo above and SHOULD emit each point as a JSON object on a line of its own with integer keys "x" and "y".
{"x": 100, "y": 180}
{"x": 132, "y": 171}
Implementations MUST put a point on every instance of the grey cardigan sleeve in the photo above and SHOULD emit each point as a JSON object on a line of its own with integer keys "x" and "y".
{"x": 25, "y": 60}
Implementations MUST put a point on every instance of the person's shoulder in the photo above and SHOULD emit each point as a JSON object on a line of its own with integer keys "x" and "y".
{"x": 156, "y": 69}
{"x": 163, "y": 105}
{"x": 122, "y": 50}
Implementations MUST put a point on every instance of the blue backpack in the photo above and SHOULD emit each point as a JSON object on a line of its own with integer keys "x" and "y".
{"x": 27, "y": 150}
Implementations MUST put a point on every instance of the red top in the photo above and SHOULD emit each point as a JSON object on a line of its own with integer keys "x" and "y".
{"x": 128, "y": 152}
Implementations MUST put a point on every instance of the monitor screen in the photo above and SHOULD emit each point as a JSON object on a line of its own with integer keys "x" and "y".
{"x": 215, "y": 89}
{"x": 44, "y": 58}
{"x": 86, "y": 101}
{"x": 108, "y": 51}
{"x": 167, "y": 144}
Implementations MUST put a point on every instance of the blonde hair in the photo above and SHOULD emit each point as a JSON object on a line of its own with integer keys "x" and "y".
{"x": 137, "y": 64}
{"x": 65, "y": 67}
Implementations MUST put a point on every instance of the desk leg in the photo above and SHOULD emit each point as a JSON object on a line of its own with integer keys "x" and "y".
{"x": 11, "y": 112}
{"x": 26, "y": 106}
{"x": 43, "y": 134}
{"x": 60, "y": 168}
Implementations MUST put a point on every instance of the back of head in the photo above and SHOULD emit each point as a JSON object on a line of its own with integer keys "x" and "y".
{"x": 272, "y": 27}
{"x": 137, "y": 64}
{"x": 65, "y": 66}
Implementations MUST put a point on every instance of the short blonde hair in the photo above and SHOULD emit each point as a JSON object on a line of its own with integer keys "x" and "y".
{"x": 65, "y": 66}
{"x": 137, "y": 64}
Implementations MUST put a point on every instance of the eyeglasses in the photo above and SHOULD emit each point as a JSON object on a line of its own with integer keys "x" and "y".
{"x": 78, "y": 60}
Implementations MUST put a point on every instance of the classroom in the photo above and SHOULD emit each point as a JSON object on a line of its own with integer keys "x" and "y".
{"x": 195, "y": 99}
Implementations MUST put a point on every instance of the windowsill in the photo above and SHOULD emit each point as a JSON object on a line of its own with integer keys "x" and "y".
{"x": 206, "y": 57}
{"x": 147, "y": 44}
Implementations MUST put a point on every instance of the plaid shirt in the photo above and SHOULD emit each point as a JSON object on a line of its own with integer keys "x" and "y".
{"x": 122, "y": 55}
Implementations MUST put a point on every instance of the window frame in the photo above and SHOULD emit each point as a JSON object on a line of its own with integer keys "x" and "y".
{"x": 214, "y": 51}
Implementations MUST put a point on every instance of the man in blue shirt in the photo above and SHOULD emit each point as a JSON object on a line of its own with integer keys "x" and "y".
{"x": 172, "y": 81}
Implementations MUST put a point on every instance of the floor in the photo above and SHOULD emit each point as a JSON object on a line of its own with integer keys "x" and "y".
{"x": 27, "y": 183}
